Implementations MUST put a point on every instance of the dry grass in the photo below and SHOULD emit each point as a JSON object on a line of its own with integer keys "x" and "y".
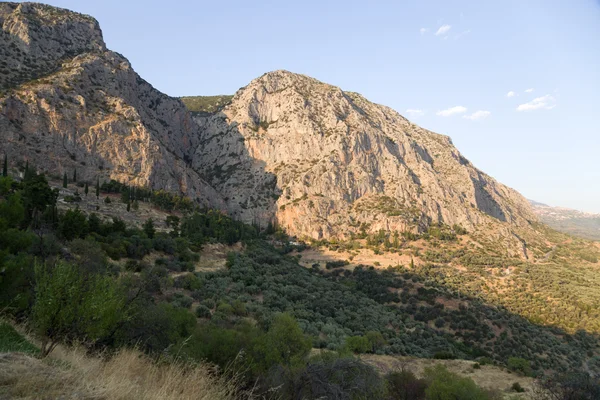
{"x": 70, "y": 374}
{"x": 487, "y": 376}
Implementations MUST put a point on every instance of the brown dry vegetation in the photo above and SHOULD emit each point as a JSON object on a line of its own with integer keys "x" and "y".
{"x": 70, "y": 374}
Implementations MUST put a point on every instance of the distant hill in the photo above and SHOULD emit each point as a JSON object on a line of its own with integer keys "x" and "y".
{"x": 567, "y": 220}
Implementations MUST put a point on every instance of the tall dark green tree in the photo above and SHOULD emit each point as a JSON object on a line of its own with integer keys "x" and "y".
{"x": 86, "y": 189}
{"x": 26, "y": 174}
{"x": 75, "y": 175}
{"x": 128, "y": 206}
{"x": 65, "y": 181}
{"x": 5, "y": 166}
{"x": 148, "y": 228}
{"x": 97, "y": 187}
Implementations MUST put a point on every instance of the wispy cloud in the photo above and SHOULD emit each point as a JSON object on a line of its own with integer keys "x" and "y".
{"x": 423, "y": 31}
{"x": 463, "y": 33}
{"x": 481, "y": 114}
{"x": 414, "y": 112}
{"x": 451, "y": 111}
{"x": 546, "y": 102}
{"x": 530, "y": 90}
{"x": 443, "y": 30}
{"x": 511, "y": 94}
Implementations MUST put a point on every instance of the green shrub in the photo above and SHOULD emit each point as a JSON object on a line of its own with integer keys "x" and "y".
{"x": 404, "y": 385}
{"x": 516, "y": 387}
{"x": 519, "y": 365}
{"x": 445, "y": 385}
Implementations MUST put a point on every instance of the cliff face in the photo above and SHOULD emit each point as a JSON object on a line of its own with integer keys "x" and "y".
{"x": 324, "y": 163}
{"x": 83, "y": 107}
{"x": 319, "y": 161}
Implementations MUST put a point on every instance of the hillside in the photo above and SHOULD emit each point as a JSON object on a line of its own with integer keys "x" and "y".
{"x": 251, "y": 230}
{"x": 327, "y": 163}
{"x": 286, "y": 149}
{"x": 567, "y": 220}
{"x": 73, "y": 105}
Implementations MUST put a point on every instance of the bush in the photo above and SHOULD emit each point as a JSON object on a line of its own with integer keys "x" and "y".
{"x": 202, "y": 311}
{"x": 337, "y": 378}
{"x": 445, "y": 385}
{"x": 358, "y": 344}
{"x": 404, "y": 385}
{"x": 70, "y": 305}
{"x": 519, "y": 365}
{"x": 516, "y": 387}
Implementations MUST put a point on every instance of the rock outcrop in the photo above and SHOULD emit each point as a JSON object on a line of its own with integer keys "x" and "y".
{"x": 317, "y": 160}
{"x": 323, "y": 162}
{"x": 83, "y": 107}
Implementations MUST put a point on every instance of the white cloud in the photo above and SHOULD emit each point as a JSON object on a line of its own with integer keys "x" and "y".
{"x": 423, "y": 31}
{"x": 511, "y": 94}
{"x": 478, "y": 115}
{"x": 530, "y": 90}
{"x": 463, "y": 33}
{"x": 443, "y": 30}
{"x": 451, "y": 111}
{"x": 413, "y": 112}
{"x": 546, "y": 102}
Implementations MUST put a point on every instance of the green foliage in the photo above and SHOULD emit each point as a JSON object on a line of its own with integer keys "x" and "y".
{"x": 329, "y": 378}
{"x": 206, "y": 104}
{"x": 148, "y": 228}
{"x": 445, "y": 385}
{"x": 516, "y": 387}
{"x": 404, "y": 385}
{"x": 519, "y": 365}
{"x": 358, "y": 344}
{"x": 568, "y": 386}
{"x": 37, "y": 196}
{"x": 11, "y": 340}
{"x": 97, "y": 188}
{"x": 86, "y": 189}
{"x": 73, "y": 224}
{"x": 284, "y": 344}
{"x": 5, "y": 166}
{"x": 73, "y": 305}
{"x": 107, "y": 200}
{"x": 65, "y": 181}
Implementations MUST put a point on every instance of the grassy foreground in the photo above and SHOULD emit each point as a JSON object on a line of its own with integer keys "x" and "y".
{"x": 70, "y": 373}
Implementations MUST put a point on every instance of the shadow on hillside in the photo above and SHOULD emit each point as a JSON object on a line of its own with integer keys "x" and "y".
{"x": 480, "y": 329}
{"x": 225, "y": 162}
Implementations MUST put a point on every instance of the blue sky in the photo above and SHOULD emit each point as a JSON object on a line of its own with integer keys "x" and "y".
{"x": 452, "y": 63}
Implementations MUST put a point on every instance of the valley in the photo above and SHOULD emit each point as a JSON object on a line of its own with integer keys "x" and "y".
{"x": 292, "y": 240}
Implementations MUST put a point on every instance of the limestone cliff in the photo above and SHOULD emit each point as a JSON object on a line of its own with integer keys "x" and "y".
{"x": 68, "y": 103}
{"x": 324, "y": 162}
{"x": 319, "y": 161}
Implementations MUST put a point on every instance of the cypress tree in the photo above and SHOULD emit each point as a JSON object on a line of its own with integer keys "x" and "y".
{"x": 65, "y": 180}
{"x": 75, "y": 175}
{"x": 26, "y": 175}
{"x": 97, "y": 187}
{"x": 86, "y": 189}
{"x": 128, "y": 206}
{"x": 5, "y": 166}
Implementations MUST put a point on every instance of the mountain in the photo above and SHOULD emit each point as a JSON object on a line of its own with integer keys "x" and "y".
{"x": 318, "y": 161}
{"x": 67, "y": 103}
{"x": 567, "y": 220}
{"x": 325, "y": 163}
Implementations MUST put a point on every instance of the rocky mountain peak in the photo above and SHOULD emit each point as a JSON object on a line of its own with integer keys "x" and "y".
{"x": 324, "y": 162}
{"x": 35, "y": 37}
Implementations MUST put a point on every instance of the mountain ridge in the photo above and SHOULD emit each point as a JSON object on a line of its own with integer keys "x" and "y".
{"x": 286, "y": 149}
{"x": 289, "y": 121}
